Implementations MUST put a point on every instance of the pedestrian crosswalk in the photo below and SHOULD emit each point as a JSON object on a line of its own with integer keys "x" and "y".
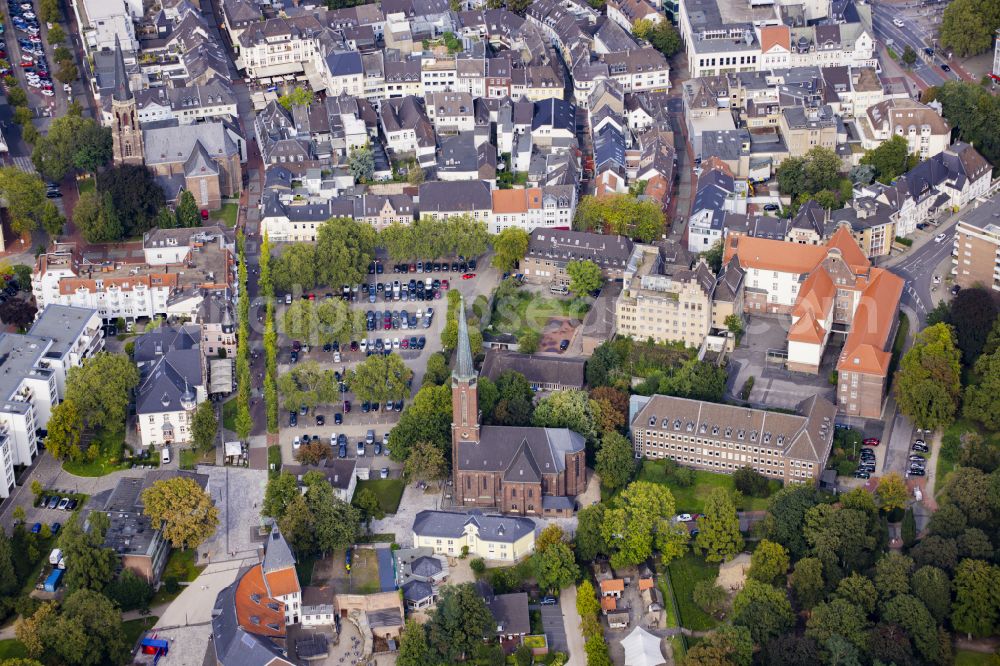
{"x": 24, "y": 164}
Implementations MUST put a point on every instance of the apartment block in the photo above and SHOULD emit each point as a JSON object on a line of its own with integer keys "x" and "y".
{"x": 548, "y": 207}
{"x": 549, "y": 250}
{"x": 663, "y": 301}
{"x": 977, "y": 246}
{"x": 724, "y": 438}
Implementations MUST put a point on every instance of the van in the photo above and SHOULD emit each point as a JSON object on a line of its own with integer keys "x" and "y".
{"x": 55, "y": 556}
{"x": 165, "y": 456}
{"x": 559, "y": 289}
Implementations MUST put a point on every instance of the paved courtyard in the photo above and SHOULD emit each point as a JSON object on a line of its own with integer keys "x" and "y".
{"x": 238, "y": 492}
{"x": 773, "y": 385}
{"x": 400, "y": 523}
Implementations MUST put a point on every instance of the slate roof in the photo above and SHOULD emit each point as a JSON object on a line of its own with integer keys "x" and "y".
{"x": 170, "y": 366}
{"x": 172, "y": 143}
{"x": 555, "y": 113}
{"x": 537, "y": 369}
{"x": 417, "y": 590}
{"x": 500, "y": 446}
{"x": 510, "y": 611}
{"x": 448, "y": 524}
{"x": 344, "y": 64}
{"x": 459, "y": 196}
{"x": 234, "y": 645}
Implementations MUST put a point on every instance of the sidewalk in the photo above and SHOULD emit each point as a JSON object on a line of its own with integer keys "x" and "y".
{"x": 572, "y": 623}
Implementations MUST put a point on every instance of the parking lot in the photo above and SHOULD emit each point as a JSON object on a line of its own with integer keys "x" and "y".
{"x": 356, "y": 423}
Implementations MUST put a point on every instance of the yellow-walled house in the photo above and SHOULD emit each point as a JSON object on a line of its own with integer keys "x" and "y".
{"x": 494, "y": 537}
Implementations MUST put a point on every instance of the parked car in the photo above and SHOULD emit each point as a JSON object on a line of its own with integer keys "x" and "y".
{"x": 872, "y": 441}
{"x": 548, "y": 601}
{"x": 63, "y": 503}
{"x": 36, "y": 528}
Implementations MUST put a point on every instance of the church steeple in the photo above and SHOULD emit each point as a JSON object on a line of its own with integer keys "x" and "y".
{"x": 464, "y": 369}
{"x": 122, "y": 91}
{"x": 464, "y": 389}
{"x": 126, "y": 135}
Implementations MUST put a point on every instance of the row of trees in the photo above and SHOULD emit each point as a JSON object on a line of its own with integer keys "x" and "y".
{"x": 345, "y": 248}
{"x": 460, "y": 235}
{"x": 244, "y": 382}
{"x": 322, "y": 322}
{"x": 270, "y": 337}
{"x": 621, "y": 214}
{"x": 376, "y": 379}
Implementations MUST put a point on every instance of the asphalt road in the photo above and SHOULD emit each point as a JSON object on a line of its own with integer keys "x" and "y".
{"x": 919, "y": 265}
{"x": 913, "y": 34}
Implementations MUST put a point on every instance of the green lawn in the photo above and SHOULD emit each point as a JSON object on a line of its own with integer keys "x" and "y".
{"x": 684, "y": 574}
{"x": 12, "y": 649}
{"x": 969, "y": 658}
{"x": 950, "y": 445}
{"x": 181, "y": 565}
{"x": 134, "y": 629}
{"x": 304, "y": 569}
{"x": 86, "y": 185}
{"x": 668, "y": 607}
{"x": 227, "y": 214}
{"x": 229, "y": 415}
{"x": 691, "y": 499}
{"x": 523, "y": 310}
{"x": 388, "y": 492}
{"x": 111, "y": 458}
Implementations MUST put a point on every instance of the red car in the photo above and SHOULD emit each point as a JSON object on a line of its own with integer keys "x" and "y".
{"x": 872, "y": 441}
{"x": 444, "y": 284}
{"x": 468, "y": 276}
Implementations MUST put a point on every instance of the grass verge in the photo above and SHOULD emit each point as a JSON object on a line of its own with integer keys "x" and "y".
{"x": 227, "y": 214}
{"x": 110, "y": 457}
{"x": 388, "y": 491}
{"x": 691, "y": 499}
{"x": 684, "y": 574}
{"x": 970, "y": 658}
{"x": 134, "y": 629}
{"x": 229, "y": 415}
{"x": 181, "y": 565}
{"x": 12, "y": 648}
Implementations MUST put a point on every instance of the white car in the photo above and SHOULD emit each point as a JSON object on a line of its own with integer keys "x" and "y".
{"x": 937, "y": 279}
{"x": 939, "y": 238}
{"x": 47, "y": 92}
{"x": 395, "y": 343}
{"x": 898, "y": 22}
{"x": 296, "y": 443}
{"x": 683, "y": 518}
{"x": 364, "y": 346}
{"x": 336, "y": 357}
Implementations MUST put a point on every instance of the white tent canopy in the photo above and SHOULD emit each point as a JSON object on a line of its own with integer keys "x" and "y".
{"x": 642, "y": 649}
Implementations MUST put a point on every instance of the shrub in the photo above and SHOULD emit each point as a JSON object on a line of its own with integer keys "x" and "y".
{"x": 747, "y": 388}
{"x": 478, "y": 566}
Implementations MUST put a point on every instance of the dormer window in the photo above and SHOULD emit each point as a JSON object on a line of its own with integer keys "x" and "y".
{"x": 652, "y": 420}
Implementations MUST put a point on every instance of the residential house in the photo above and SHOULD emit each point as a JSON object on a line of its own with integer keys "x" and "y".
{"x": 171, "y": 385}
{"x": 491, "y": 537}
{"x": 547, "y": 207}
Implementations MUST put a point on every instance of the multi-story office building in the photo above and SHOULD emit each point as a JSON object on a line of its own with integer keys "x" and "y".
{"x": 549, "y": 250}
{"x": 724, "y": 438}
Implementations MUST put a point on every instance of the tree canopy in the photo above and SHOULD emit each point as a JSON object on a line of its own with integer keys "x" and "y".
{"x": 136, "y": 198}
{"x": 640, "y": 520}
{"x": 928, "y": 382}
{"x": 621, "y": 214}
{"x": 968, "y": 26}
{"x": 100, "y": 389}
{"x": 509, "y": 247}
{"x": 72, "y": 143}
{"x": 969, "y": 108}
{"x": 585, "y": 276}
{"x": 890, "y": 159}
{"x": 184, "y": 511}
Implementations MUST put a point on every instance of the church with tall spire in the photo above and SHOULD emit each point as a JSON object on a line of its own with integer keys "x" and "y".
{"x": 126, "y": 135}
{"x": 524, "y": 471}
